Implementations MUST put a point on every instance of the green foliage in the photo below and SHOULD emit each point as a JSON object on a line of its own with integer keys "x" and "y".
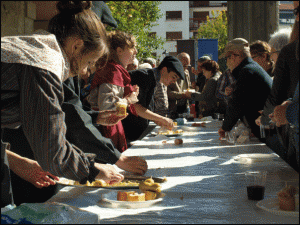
{"x": 137, "y": 18}
{"x": 215, "y": 28}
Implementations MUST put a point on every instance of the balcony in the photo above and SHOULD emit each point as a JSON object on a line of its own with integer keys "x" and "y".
{"x": 195, "y": 23}
{"x": 198, "y": 4}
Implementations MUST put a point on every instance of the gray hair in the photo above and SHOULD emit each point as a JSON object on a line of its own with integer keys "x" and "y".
{"x": 280, "y": 38}
{"x": 151, "y": 61}
{"x": 182, "y": 55}
{"x": 145, "y": 66}
{"x": 136, "y": 62}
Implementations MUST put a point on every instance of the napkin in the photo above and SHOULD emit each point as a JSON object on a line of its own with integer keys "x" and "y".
{"x": 48, "y": 213}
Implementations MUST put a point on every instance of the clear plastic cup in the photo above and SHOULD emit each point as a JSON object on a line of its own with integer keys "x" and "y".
{"x": 121, "y": 108}
{"x": 256, "y": 182}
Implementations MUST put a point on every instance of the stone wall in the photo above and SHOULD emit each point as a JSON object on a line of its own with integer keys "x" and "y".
{"x": 17, "y": 17}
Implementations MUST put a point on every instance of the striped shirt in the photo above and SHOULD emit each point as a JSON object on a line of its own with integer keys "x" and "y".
{"x": 32, "y": 70}
{"x": 161, "y": 101}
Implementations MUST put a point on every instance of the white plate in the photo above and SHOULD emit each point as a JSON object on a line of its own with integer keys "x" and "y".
{"x": 110, "y": 200}
{"x": 190, "y": 128}
{"x": 257, "y": 157}
{"x": 272, "y": 205}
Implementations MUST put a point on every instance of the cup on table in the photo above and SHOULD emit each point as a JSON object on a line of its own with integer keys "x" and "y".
{"x": 256, "y": 182}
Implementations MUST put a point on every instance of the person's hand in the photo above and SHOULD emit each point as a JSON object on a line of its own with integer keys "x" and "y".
{"x": 136, "y": 89}
{"x": 132, "y": 164}
{"x": 228, "y": 91}
{"x": 258, "y": 120}
{"x": 165, "y": 123}
{"x": 108, "y": 173}
{"x": 109, "y": 118}
{"x": 279, "y": 115}
{"x": 193, "y": 85}
{"x": 32, "y": 172}
{"x": 221, "y": 133}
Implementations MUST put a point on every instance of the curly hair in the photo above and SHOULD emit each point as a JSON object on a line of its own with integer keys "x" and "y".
{"x": 211, "y": 65}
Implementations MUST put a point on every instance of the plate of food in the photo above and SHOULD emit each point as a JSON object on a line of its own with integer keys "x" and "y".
{"x": 286, "y": 203}
{"x": 171, "y": 133}
{"x": 149, "y": 193}
{"x": 125, "y": 184}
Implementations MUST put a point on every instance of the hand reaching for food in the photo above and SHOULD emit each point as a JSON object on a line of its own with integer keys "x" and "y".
{"x": 108, "y": 173}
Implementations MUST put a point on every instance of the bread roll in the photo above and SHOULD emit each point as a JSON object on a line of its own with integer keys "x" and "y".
{"x": 150, "y": 195}
{"x": 286, "y": 198}
{"x": 123, "y": 195}
{"x": 178, "y": 141}
{"x": 135, "y": 197}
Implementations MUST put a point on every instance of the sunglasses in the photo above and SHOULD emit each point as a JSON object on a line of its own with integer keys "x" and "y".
{"x": 229, "y": 56}
{"x": 296, "y": 11}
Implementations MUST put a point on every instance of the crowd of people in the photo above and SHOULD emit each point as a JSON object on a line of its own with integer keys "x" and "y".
{"x": 59, "y": 118}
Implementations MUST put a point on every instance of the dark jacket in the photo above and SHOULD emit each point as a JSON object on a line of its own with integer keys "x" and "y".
{"x": 286, "y": 77}
{"x": 207, "y": 98}
{"x": 134, "y": 126}
{"x": 253, "y": 85}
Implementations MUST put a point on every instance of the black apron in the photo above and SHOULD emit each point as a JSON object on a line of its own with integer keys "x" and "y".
{"x": 6, "y": 189}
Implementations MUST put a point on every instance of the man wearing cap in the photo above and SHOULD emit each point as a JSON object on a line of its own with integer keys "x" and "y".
{"x": 168, "y": 72}
{"x": 178, "y": 99}
{"x": 81, "y": 131}
{"x": 252, "y": 87}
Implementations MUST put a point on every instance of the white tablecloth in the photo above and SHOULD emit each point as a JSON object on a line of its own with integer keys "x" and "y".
{"x": 205, "y": 184}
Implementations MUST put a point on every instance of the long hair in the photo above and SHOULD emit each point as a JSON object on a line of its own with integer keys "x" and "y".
{"x": 76, "y": 19}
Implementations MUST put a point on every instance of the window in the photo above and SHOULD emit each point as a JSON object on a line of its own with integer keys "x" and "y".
{"x": 172, "y": 36}
{"x": 200, "y": 16}
{"x": 174, "y": 15}
{"x": 152, "y": 34}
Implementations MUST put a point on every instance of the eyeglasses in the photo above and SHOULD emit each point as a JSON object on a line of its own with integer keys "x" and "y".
{"x": 229, "y": 56}
{"x": 296, "y": 11}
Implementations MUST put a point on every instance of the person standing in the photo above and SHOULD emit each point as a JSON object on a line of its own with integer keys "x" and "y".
{"x": 112, "y": 84}
{"x": 168, "y": 72}
{"x": 178, "y": 94}
{"x": 33, "y": 68}
{"x": 252, "y": 87}
{"x": 200, "y": 81}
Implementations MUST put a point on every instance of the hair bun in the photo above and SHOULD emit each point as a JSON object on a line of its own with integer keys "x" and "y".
{"x": 73, "y": 7}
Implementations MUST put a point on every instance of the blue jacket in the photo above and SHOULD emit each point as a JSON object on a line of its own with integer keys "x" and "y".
{"x": 252, "y": 87}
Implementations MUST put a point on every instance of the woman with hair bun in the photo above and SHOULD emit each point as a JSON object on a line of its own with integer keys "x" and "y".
{"x": 208, "y": 102}
{"x": 33, "y": 68}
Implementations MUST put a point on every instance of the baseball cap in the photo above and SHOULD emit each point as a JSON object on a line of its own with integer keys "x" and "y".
{"x": 104, "y": 13}
{"x": 203, "y": 58}
{"x": 236, "y": 44}
{"x": 174, "y": 64}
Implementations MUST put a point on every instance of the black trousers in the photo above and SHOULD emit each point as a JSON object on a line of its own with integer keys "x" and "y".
{"x": 25, "y": 192}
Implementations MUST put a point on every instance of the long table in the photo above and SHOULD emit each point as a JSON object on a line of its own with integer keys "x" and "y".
{"x": 205, "y": 184}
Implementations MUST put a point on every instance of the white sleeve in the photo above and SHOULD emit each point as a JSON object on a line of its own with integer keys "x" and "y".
{"x": 105, "y": 96}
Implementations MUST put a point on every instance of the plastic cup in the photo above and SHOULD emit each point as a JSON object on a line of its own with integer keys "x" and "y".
{"x": 256, "y": 182}
{"x": 121, "y": 108}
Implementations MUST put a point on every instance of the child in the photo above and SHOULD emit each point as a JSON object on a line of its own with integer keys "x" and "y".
{"x": 111, "y": 84}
